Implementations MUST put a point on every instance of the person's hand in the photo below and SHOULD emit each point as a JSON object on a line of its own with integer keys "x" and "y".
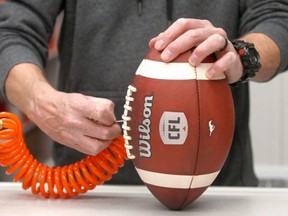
{"x": 186, "y": 33}
{"x": 81, "y": 122}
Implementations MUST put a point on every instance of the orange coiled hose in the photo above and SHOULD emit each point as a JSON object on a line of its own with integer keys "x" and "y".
{"x": 56, "y": 182}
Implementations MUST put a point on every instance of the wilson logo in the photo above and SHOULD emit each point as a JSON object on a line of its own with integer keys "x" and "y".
{"x": 144, "y": 128}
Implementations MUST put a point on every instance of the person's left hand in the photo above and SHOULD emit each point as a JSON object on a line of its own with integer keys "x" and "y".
{"x": 186, "y": 33}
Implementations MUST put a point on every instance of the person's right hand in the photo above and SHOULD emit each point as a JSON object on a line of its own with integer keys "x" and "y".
{"x": 81, "y": 122}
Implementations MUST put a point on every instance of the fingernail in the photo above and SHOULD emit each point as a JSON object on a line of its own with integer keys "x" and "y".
{"x": 166, "y": 55}
{"x": 193, "y": 60}
{"x": 159, "y": 45}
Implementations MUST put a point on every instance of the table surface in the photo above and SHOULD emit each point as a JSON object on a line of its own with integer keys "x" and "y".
{"x": 137, "y": 200}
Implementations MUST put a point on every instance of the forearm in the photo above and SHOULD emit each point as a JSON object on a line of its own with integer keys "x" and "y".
{"x": 24, "y": 84}
{"x": 269, "y": 55}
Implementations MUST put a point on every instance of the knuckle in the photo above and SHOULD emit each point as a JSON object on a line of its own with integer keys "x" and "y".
{"x": 199, "y": 51}
{"x": 221, "y": 31}
{"x": 167, "y": 36}
{"x": 68, "y": 122}
{"x": 106, "y": 134}
{"x": 106, "y": 118}
{"x": 111, "y": 132}
{"x": 218, "y": 37}
{"x": 100, "y": 146}
{"x": 108, "y": 105}
{"x": 181, "y": 21}
{"x": 206, "y": 22}
{"x": 232, "y": 56}
{"x": 191, "y": 34}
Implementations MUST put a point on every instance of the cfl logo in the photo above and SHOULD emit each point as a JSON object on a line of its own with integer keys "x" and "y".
{"x": 173, "y": 128}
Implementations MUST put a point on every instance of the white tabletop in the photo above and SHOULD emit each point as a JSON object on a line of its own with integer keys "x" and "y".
{"x": 137, "y": 200}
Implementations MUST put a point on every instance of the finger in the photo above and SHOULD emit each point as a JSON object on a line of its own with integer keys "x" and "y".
{"x": 152, "y": 42}
{"x": 176, "y": 29}
{"x": 95, "y": 146}
{"x": 86, "y": 136}
{"x": 90, "y": 127}
{"x": 186, "y": 41}
{"x": 224, "y": 65}
{"x": 95, "y": 129}
{"x": 212, "y": 44}
{"x": 90, "y": 146}
{"x": 102, "y": 132}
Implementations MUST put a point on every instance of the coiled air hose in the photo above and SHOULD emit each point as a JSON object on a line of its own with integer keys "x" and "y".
{"x": 55, "y": 182}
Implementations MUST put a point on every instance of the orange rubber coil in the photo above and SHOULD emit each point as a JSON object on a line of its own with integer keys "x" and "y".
{"x": 55, "y": 182}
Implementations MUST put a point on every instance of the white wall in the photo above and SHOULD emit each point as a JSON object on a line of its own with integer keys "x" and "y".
{"x": 269, "y": 126}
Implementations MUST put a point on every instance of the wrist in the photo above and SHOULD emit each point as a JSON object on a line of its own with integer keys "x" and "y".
{"x": 42, "y": 100}
{"x": 25, "y": 86}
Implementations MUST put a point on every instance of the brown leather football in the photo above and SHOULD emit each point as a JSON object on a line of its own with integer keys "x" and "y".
{"x": 178, "y": 127}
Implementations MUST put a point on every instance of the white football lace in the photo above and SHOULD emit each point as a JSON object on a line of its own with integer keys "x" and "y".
{"x": 126, "y": 119}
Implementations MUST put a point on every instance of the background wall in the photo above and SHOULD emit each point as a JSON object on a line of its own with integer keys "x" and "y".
{"x": 269, "y": 127}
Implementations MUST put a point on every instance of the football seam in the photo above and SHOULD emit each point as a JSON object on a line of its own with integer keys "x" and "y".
{"x": 199, "y": 131}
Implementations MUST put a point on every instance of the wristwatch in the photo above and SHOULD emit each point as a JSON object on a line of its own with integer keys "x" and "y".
{"x": 250, "y": 60}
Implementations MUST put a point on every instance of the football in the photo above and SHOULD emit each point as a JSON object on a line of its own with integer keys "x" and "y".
{"x": 178, "y": 127}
